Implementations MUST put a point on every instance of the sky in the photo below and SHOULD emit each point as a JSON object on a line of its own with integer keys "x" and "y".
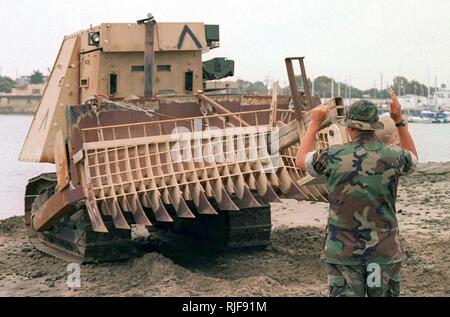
{"x": 352, "y": 40}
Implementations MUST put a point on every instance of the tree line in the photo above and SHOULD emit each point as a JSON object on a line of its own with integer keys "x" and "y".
{"x": 322, "y": 87}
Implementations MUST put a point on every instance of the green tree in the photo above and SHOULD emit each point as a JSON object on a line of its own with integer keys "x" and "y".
{"x": 403, "y": 86}
{"x": 36, "y": 77}
{"x": 6, "y": 84}
{"x": 247, "y": 87}
{"x": 322, "y": 87}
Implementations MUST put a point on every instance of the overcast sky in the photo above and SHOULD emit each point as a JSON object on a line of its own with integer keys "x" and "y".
{"x": 339, "y": 38}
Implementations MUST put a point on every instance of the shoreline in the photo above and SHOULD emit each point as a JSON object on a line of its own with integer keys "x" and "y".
{"x": 4, "y": 111}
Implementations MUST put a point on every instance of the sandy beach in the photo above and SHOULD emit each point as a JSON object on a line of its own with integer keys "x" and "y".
{"x": 288, "y": 267}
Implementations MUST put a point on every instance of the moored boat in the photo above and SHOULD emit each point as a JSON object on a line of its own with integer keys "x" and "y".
{"x": 425, "y": 116}
{"x": 441, "y": 117}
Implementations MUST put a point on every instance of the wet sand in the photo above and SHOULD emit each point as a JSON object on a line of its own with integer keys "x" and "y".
{"x": 288, "y": 267}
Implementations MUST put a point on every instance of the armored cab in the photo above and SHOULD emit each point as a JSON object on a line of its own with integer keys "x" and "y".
{"x": 143, "y": 131}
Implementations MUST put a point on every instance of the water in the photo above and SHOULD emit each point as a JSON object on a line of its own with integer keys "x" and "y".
{"x": 14, "y": 175}
{"x": 432, "y": 141}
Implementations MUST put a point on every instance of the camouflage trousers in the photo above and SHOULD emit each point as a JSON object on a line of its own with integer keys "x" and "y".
{"x": 361, "y": 280}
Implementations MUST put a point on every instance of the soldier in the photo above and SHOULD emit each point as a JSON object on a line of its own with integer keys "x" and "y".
{"x": 362, "y": 248}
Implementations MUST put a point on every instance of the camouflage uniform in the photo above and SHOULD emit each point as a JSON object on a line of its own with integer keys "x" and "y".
{"x": 362, "y": 179}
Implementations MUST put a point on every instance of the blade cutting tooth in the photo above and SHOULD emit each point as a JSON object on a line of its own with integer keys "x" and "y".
{"x": 183, "y": 210}
{"x": 117, "y": 215}
{"x": 204, "y": 207}
{"x": 226, "y": 202}
{"x": 123, "y": 204}
{"x": 104, "y": 209}
{"x": 161, "y": 213}
{"x": 180, "y": 205}
{"x": 248, "y": 200}
{"x": 96, "y": 219}
{"x": 138, "y": 212}
{"x": 293, "y": 192}
{"x": 289, "y": 188}
{"x": 158, "y": 208}
{"x": 145, "y": 201}
{"x": 270, "y": 196}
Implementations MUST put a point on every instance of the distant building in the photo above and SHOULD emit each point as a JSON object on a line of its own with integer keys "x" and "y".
{"x": 29, "y": 90}
{"x": 441, "y": 99}
{"x": 19, "y": 103}
{"x": 22, "y": 81}
{"x": 408, "y": 102}
{"x": 23, "y": 99}
{"x": 25, "y": 81}
{"x": 379, "y": 102}
{"x": 413, "y": 102}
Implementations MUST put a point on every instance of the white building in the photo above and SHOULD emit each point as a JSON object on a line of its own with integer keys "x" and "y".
{"x": 441, "y": 99}
{"x": 413, "y": 102}
{"x": 29, "y": 90}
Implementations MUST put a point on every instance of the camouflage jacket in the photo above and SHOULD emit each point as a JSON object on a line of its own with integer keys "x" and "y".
{"x": 362, "y": 179}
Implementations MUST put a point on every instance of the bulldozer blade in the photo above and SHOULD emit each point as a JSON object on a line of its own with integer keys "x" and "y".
{"x": 118, "y": 218}
{"x": 138, "y": 212}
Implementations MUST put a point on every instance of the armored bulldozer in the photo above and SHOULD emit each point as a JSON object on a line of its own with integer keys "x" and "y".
{"x": 142, "y": 131}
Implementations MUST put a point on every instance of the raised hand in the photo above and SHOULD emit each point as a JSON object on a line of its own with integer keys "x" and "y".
{"x": 395, "y": 108}
{"x": 319, "y": 114}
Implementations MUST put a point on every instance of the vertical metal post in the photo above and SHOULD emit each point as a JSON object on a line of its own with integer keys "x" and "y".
{"x": 149, "y": 57}
{"x": 294, "y": 89}
{"x": 332, "y": 87}
{"x": 305, "y": 83}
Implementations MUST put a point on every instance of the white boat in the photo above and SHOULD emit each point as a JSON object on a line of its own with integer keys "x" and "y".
{"x": 425, "y": 116}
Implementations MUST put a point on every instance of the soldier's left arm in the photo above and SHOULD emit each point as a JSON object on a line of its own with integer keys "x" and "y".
{"x": 406, "y": 140}
{"x": 318, "y": 115}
